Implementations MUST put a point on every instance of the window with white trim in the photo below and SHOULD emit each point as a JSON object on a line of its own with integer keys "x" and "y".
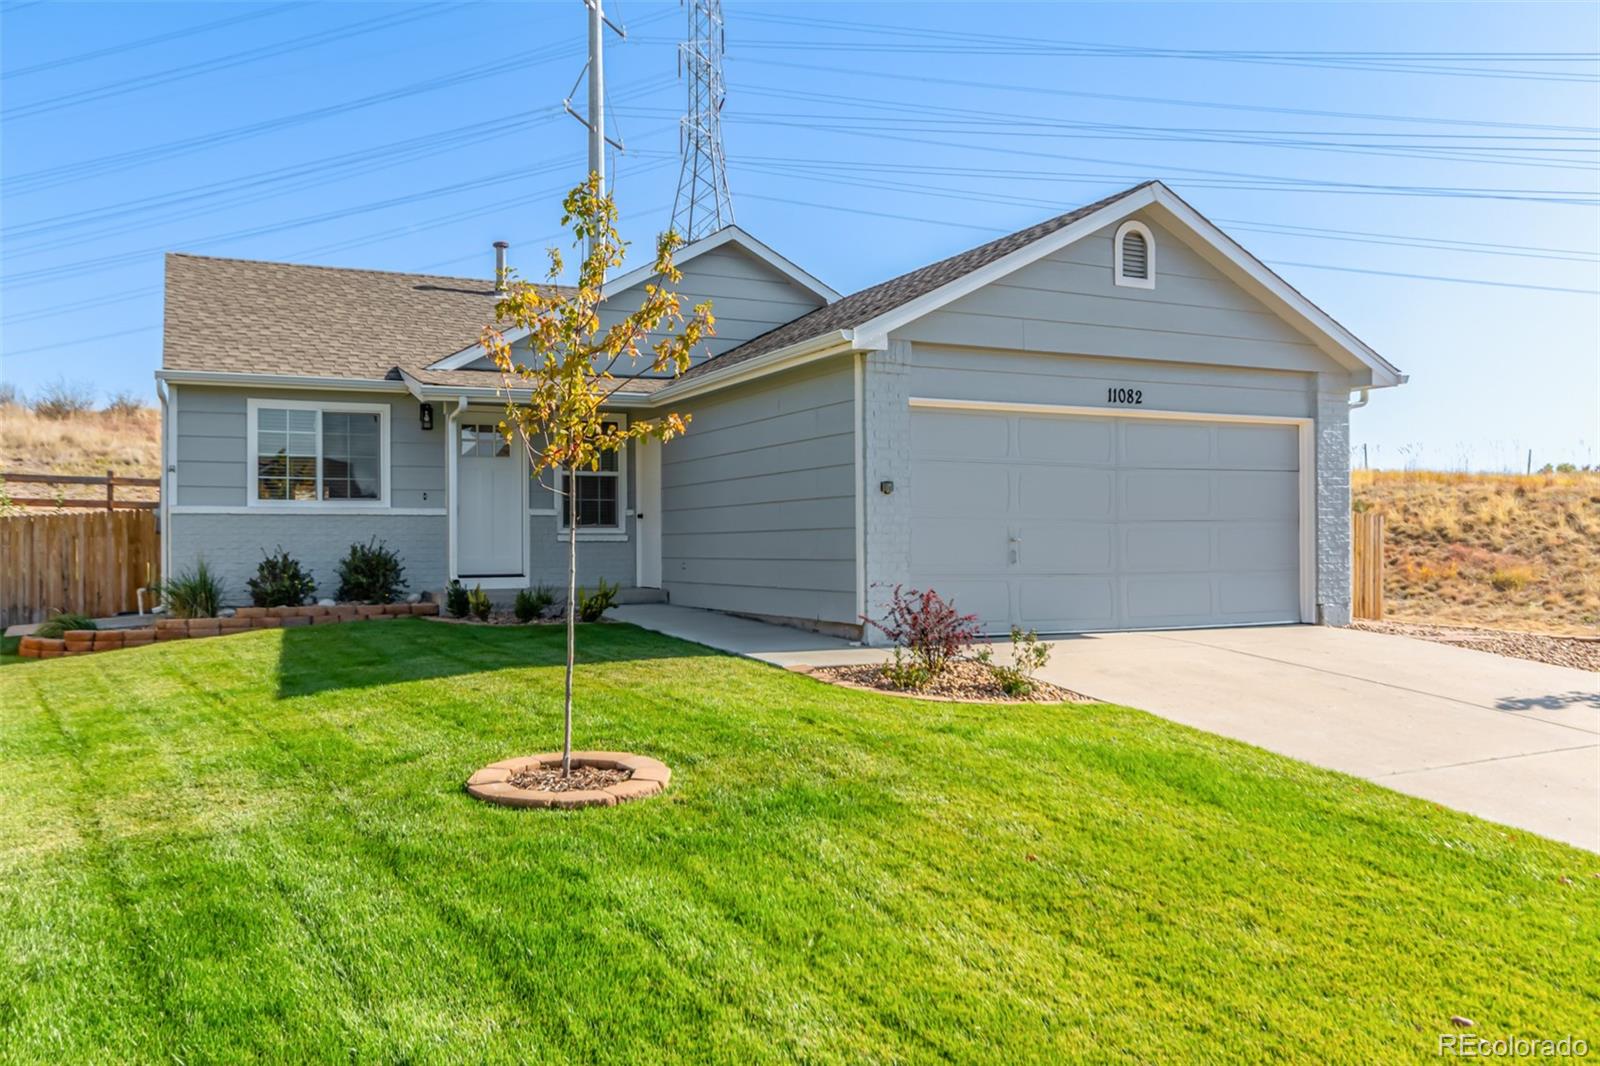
{"x": 597, "y": 494}
{"x": 311, "y": 453}
{"x": 1133, "y": 256}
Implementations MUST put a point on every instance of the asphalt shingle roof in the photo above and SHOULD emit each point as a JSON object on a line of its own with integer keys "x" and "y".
{"x": 251, "y": 317}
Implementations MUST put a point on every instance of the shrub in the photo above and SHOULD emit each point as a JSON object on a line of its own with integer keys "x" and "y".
{"x": 926, "y": 627}
{"x": 1028, "y": 655}
{"x": 531, "y": 603}
{"x": 456, "y": 600}
{"x": 478, "y": 603}
{"x": 371, "y": 573}
{"x": 195, "y": 593}
{"x": 591, "y": 606}
{"x": 904, "y": 672}
{"x": 1511, "y": 578}
{"x": 11, "y": 396}
{"x": 124, "y": 404}
{"x": 63, "y": 399}
{"x": 62, "y": 621}
{"x": 280, "y": 581}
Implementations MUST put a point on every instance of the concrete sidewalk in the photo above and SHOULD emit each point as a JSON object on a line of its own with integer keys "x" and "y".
{"x": 1513, "y": 741}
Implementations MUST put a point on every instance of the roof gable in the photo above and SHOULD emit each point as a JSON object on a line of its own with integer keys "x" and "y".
{"x": 863, "y": 320}
{"x": 726, "y": 242}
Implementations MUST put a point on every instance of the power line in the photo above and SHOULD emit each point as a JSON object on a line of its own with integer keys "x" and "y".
{"x": 51, "y": 177}
{"x": 229, "y": 62}
{"x": 280, "y": 181}
{"x": 925, "y": 79}
{"x": 794, "y": 169}
{"x": 869, "y": 37}
{"x": 1239, "y": 179}
{"x": 146, "y": 42}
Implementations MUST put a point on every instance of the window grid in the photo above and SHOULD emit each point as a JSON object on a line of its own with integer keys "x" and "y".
{"x": 309, "y": 455}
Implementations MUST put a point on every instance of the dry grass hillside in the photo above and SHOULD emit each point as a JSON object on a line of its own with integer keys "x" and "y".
{"x": 1496, "y": 550}
{"x": 123, "y": 438}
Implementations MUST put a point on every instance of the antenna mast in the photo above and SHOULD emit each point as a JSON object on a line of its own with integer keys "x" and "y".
{"x": 703, "y": 204}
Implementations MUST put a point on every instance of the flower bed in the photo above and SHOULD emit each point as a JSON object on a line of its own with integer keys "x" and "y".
{"x": 244, "y": 619}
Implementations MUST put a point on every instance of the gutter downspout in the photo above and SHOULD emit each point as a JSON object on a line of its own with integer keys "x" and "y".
{"x": 1362, "y": 402}
{"x": 165, "y": 488}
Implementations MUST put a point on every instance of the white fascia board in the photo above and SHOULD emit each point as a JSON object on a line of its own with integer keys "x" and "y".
{"x": 798, "y": 354}
{"x": 622, "y": 282}
{"x": 726, "y": 235}
{"x": 279, "y": 381}
{"x": 1384, "y": 373}
{"x": 874, "y": 333}
{"x": 424, "y": 391}
{"x": 877, "y": 330}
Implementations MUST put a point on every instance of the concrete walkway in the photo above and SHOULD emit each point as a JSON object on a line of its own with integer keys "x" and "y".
{"x": 1513, "y": 741}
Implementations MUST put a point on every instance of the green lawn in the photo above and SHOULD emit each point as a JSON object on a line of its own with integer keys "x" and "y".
{"x": 258, "y": 847}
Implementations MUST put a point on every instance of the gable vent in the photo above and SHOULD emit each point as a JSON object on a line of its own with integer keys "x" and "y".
{"x": 1133, "y": 263}
{"x": 1135, "y": 256}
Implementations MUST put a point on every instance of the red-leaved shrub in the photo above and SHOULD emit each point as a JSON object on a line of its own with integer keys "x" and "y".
{"x": 926, "y": 627}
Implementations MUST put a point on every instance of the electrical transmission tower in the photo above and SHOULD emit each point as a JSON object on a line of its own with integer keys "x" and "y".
{"x": 702, "y": 205}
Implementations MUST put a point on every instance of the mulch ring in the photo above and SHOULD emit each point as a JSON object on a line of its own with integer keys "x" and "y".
{"x": 598, "y": 779}
{"x": 1580, "y": 653}
{"x": 963, "y": 681}
{"x": 549, "y": 779}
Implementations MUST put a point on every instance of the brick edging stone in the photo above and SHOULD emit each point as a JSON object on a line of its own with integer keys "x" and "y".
{"x": 86, "y": 641}
{"x": 492, "y": 784}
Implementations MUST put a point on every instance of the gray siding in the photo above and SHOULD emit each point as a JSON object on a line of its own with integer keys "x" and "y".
{"x": 747, "y": 296}
{"x": 232, "y": 545}
{"x": 758, "y": 499}
{"x": 1067, "y": 303}
{"x": 214, "y": 464}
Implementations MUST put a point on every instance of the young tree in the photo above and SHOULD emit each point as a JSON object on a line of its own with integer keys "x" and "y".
{"x": 555, "y": 400}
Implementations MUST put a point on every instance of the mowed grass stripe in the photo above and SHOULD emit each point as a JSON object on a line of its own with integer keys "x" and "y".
{"x": 834, "y": 876}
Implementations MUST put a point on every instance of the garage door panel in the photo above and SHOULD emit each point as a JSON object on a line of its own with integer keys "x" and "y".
{"x": 1118, "y": 522}
{"x": 1258, "y": 596}
{"x": 988, "y": 598}
{"x": 945, "y": 488}
{"x": 1173, "y": 495}
{"x": 1064, "y": 492}
{"x": 978, "y": 545}
{"x": 1166, "y": 444}
{"x": 1167, "y": 547}
{"x": 1067, "y": 603}
{"x": 1258, "y": 494}
{"x": 1167, "y": 599}
{"x": 1065, "y": 547}
{"x": 961, "y": 435}
{"x": 1066, "y": 440}
{"x": 1258, "y": 546}
{"x": 1258, "y": 447}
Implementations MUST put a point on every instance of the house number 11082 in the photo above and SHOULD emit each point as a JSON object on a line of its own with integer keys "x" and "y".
{"x": 1129, "y": 396}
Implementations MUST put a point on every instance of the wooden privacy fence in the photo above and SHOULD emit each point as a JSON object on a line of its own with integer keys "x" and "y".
{"x": 91, "y": 563}
{"x": 110, "y": 481}
{"x": 1366, "y": 576}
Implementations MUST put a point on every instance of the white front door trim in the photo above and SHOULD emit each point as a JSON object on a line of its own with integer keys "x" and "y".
{"x": 453, "y": 445}
{"x": 1307, "y": 472}
{"x": 647, "y": 515}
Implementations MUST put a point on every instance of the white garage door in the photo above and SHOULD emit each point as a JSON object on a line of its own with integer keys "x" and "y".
{"x": 1079, "y": 523}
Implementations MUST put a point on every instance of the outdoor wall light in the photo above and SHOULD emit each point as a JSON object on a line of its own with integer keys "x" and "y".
{"x": 427, "y": 416}
{"x": 886, "y": 487}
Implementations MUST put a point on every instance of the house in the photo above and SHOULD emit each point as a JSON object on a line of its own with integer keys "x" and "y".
{"x": 1115, "y": 419}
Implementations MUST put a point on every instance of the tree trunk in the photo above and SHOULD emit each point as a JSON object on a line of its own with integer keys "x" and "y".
{"x": 570, "y": 504}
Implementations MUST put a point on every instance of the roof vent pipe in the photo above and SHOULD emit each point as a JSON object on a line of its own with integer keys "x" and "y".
{"x": 500, "y": 265}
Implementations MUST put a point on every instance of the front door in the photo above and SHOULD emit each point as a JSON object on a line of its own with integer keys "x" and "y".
{"x": 491, "y": 516}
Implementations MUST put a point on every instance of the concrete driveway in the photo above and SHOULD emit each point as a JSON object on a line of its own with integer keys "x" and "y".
{"x": 1513, "y": 741}
{"x": 1509, "y": 740}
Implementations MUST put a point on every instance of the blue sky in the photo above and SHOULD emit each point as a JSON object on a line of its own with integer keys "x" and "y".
{"x": 863, "y": 140}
